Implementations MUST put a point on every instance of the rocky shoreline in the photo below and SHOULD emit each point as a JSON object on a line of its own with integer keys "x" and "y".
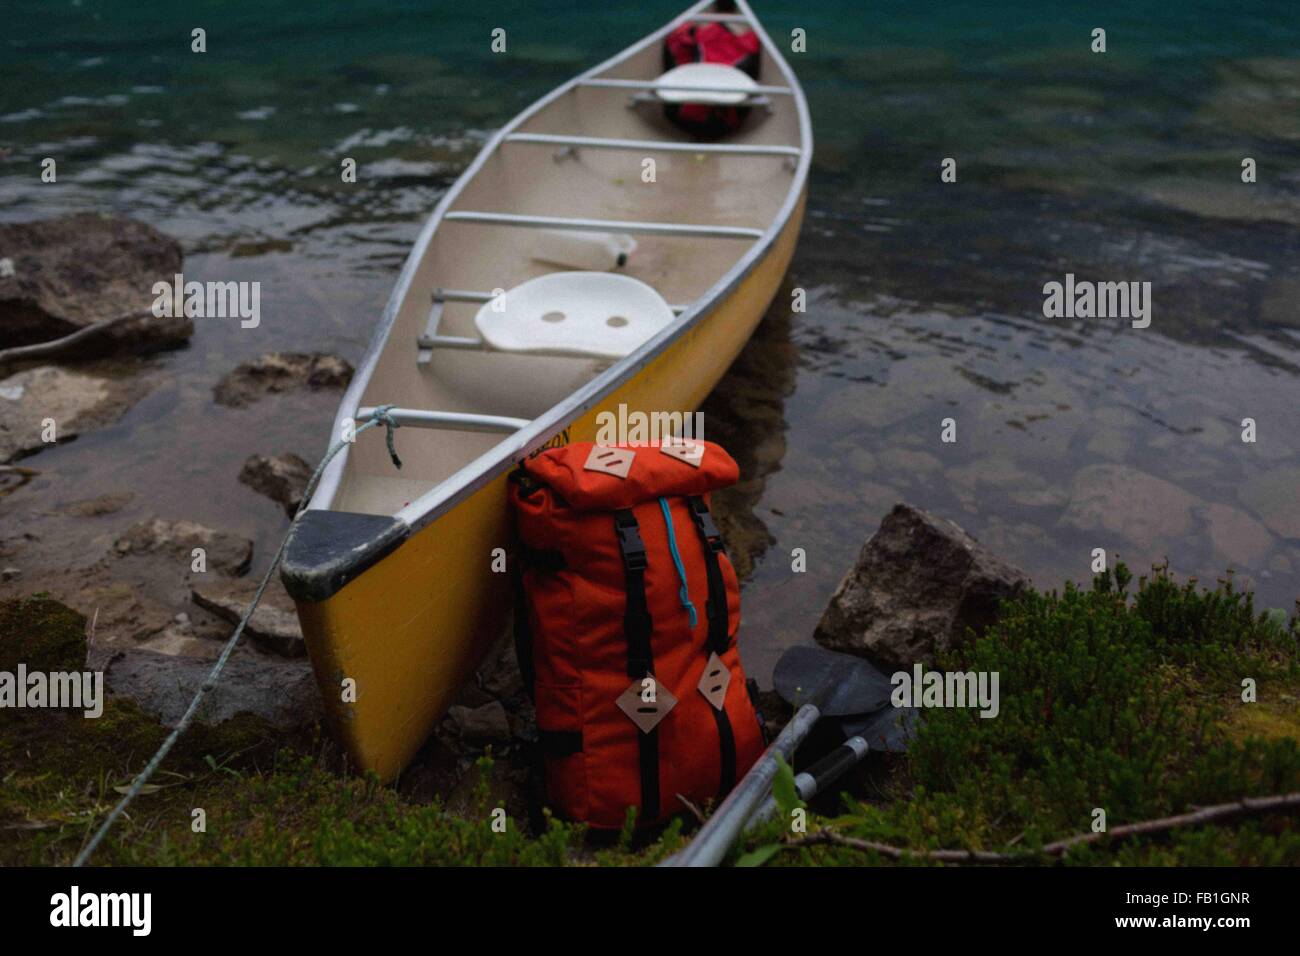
{"x": 160, "y": 592}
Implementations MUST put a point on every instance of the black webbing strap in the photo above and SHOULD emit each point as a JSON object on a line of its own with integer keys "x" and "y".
{"x": 716, "y": 609}
{"x": 637, "y": 627}
{"x": 727, "y": 750}
{"x": 637, "y": 624}
{"x": 649, "y": 749}
{"x": 523, "y": 633}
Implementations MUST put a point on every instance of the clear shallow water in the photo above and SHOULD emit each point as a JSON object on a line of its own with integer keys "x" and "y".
{"x": 925, "y": 298}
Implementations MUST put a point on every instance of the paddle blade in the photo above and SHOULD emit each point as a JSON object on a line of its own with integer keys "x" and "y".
{"x": 840, "y": 684}
{"x": 889, "y": 730}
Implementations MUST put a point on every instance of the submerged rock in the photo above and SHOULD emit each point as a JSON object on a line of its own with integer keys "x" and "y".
{"x": 1127, "y": 502}
{"x": 283, "y": 693}
{"x": 73, "y": 401}
{"x": 1259, "y": 97}
{"x": 277, "y": 372}
{"x": 224, "y": 552}
{"x": 274, "y": 625}
{"x": 282, "y": 478}
{"x": 1236, "y": 536}
{"x": 70, "y": 272}
{"x": 1275, "y": 497}
{"x": 98, "y": 506}
{"x": 920, "y": 586}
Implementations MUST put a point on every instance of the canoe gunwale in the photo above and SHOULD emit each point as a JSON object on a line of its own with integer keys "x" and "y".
{"x": 501, "y": 457}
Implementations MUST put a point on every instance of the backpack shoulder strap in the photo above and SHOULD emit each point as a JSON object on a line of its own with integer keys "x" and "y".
{"x": 637, "y": 628}
{"x": 715, "y": 610}
{"x": 637, "y": 624}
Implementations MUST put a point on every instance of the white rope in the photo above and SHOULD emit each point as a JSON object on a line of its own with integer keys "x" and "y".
{"x": 379, "y": 416}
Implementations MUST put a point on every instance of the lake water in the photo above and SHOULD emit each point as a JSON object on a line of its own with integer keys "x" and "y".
{"x": 925, "y": 298}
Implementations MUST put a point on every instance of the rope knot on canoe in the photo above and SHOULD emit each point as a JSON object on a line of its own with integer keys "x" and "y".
{"x": 381, "y": 415}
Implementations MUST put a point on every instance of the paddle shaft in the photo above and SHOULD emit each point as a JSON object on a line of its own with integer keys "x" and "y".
{"x": 818, "y": 777}
{"x": 716, "y": 837}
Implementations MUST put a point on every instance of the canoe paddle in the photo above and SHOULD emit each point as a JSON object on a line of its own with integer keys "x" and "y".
{"x": 818, "y": 777}
{"x": 820, "y": 683}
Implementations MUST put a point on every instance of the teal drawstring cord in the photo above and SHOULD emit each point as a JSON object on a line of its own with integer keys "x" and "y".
{"x": 684, "y": 593}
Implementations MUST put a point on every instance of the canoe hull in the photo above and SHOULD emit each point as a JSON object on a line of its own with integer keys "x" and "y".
{"x": 392, "y": 647}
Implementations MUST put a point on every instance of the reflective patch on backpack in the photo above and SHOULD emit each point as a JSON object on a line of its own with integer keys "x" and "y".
{"x": 714, "y": 682}
{"x": 691, "y": 452}
{"x": 610, "y": 461}
{"x": 646, "y": 714}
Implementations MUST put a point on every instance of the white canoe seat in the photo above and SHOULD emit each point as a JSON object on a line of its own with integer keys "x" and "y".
{"x": 713, "y": 83}
{"x": 601, "y": 314}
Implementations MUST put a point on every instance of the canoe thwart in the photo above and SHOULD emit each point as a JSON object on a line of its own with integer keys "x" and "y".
{"x": 652, "y": 85}
{"x": 468, "y": 295}
{"x": 651, "y": 145}
{"x": 463, "y": 295}
{"x": 718, "y": 18}
{"x": 695, "y": 230}
{"x": 649, "y": 99}
{"x": 454, "y": 421}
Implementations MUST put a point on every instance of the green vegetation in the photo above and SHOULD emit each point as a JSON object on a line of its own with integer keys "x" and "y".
{"x": 1130, "y": 701}
{"x": 1127, "y": 702}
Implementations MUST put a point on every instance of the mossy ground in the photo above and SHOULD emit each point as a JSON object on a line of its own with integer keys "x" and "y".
{"x": 1129, "y": 702}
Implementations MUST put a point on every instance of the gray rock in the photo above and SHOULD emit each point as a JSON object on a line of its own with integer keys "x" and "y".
{"x": 274, "y": 625}
{"x": 278, "y": 372}
{"x": 1275, "y": 497}
{"x": 72, "y": 271}
{"x": 919, "y": 586}
{"x": 283, "y": 693}
{"x": 282, "y": 478}
{"x": 99, "y": 506}
{"x": 227, "y": 553}
{"x": 75, "y": 401}
{"x": 500, "y": 676}
{"x": 483, "y": 724}
{"x": 1236, "y": 536}
{"x": 11, "y": 574}
{"x": 1127, "y": 502}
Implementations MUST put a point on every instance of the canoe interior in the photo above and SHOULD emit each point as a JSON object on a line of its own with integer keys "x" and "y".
{"x": 527, "y": 178}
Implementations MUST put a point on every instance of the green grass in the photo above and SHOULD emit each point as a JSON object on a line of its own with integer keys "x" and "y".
{"x": 1131, "y": 703}
{"x": 1125, "y": 700}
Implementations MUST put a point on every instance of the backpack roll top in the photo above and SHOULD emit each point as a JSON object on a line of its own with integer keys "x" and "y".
{"x": 587, "y": 476}
{"x": 632, "y": 610}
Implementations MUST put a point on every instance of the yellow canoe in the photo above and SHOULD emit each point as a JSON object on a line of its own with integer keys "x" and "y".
{"x": 396, "y": 574}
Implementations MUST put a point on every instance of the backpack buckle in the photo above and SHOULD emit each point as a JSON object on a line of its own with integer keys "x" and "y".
{"x": 629, "y": 541}
{"x": 704, "y": 522}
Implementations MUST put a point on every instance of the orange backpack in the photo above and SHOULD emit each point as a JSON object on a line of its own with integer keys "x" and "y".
{"x": 628, "y": 629}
